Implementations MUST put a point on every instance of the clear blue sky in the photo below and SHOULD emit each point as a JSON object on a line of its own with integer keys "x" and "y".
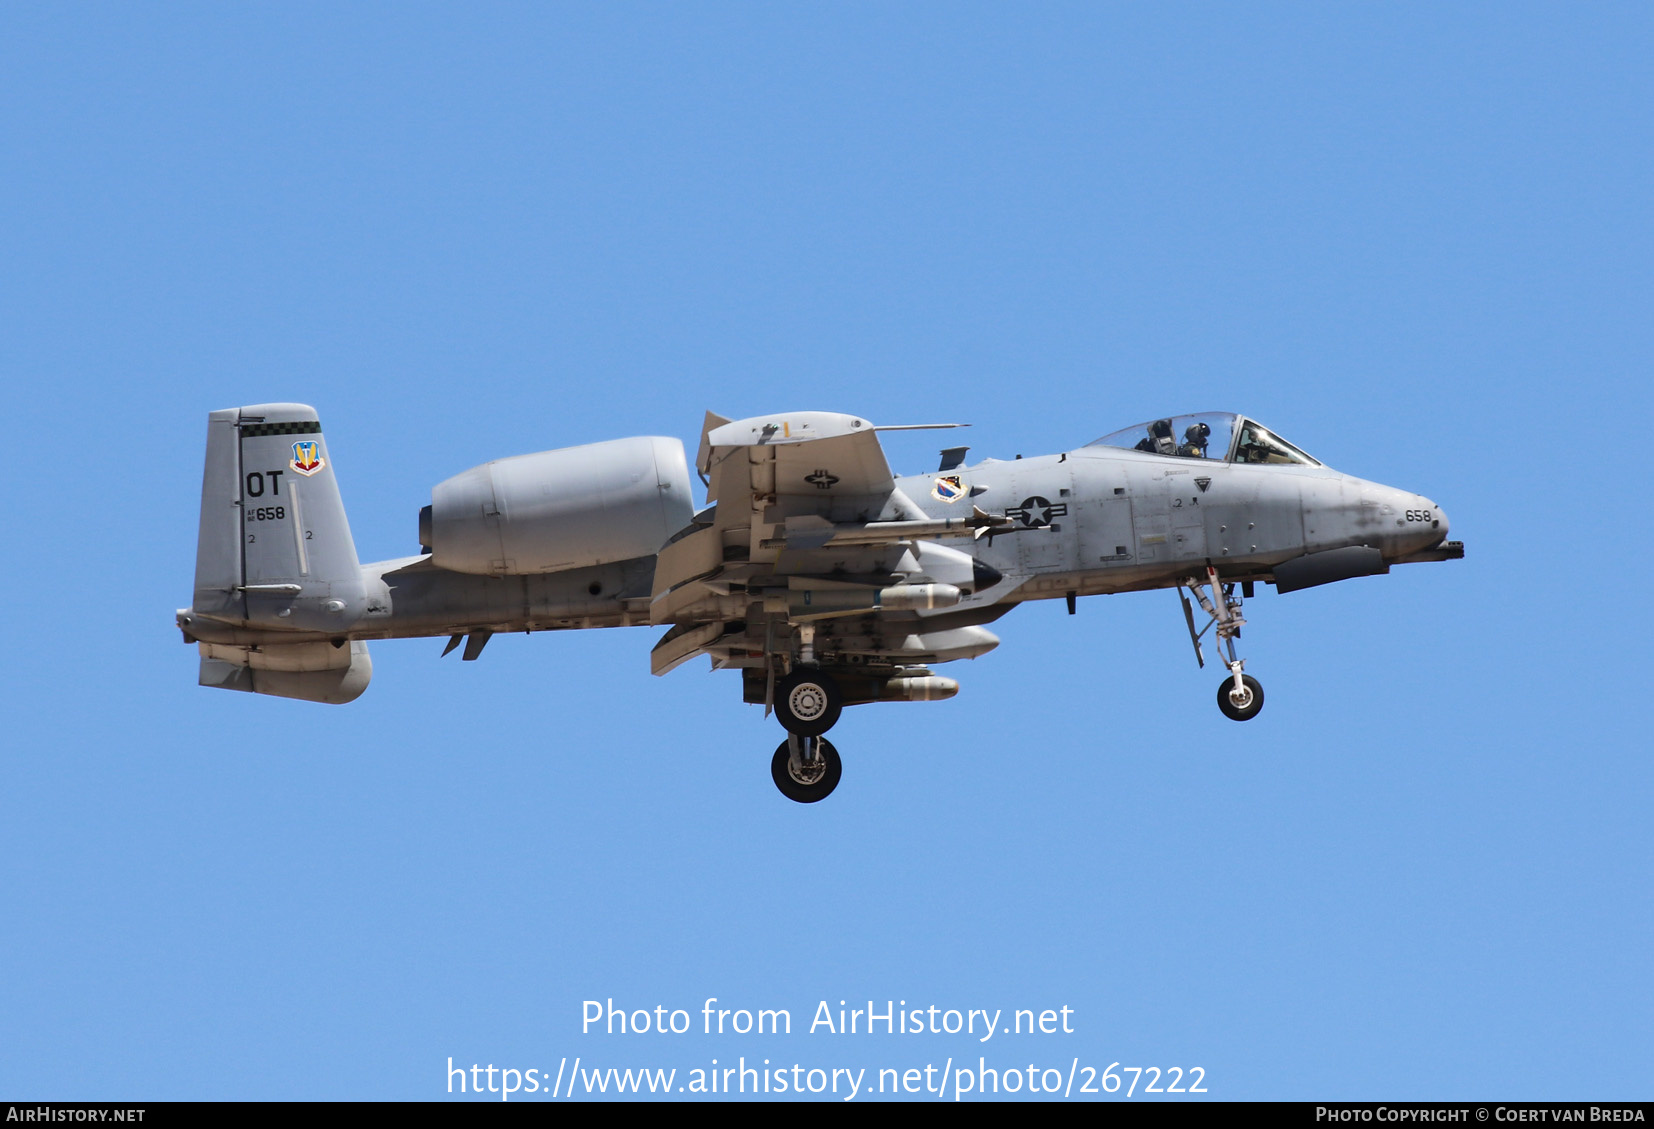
{"x": 1413, "y": 238}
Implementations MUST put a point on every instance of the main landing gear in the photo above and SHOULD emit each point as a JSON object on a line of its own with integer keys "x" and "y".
{"x": 807, "y": 702}
{"x": 1240, "y": 696}
{"x": 806, "y": 769}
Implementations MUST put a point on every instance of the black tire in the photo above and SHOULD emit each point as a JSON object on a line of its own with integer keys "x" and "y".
{"x": 808, "y": 702}
{"x": 781, "y": 771}
{"x": 1240, "y": 712}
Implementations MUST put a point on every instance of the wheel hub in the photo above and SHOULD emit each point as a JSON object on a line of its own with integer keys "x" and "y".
{"x": 804, "y": 773}
{"x": 807, "y": 702}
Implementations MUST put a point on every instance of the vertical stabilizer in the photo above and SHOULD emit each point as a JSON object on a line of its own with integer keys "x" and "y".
{"x": 298, "y": 560}
{"x": 275, "y": 554}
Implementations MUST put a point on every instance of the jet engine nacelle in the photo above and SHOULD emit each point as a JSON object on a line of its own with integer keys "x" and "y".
{"x": 556, "y": 510}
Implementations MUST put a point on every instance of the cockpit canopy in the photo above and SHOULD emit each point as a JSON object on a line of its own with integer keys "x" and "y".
{"x": 1223, "y": 436}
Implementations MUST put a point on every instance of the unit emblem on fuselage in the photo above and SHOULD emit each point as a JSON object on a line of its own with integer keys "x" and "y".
{"x": 948, "y": 488}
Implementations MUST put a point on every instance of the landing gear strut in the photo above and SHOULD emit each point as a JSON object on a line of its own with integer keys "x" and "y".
{"x": 1240, "y": 696}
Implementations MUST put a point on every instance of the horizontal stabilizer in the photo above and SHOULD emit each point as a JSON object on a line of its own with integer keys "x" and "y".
{"x": 313, "y": 672}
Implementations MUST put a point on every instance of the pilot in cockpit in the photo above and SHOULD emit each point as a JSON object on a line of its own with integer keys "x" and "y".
{"x": 1195, "y": 440}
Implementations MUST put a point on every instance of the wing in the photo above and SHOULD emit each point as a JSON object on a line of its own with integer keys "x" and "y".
{"x": 822, "y": 456}
{"x": 808, "y": 535}
{"x": 809, "y": 466}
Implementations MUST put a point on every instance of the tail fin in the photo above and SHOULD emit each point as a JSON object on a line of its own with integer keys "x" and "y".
{"x": 275, "y": 552}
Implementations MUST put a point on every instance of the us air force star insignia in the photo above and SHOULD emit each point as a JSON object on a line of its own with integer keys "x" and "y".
{"x": 950, "y": 488}
{"x": 1037, "y": 511}
{"x": 1203, "y": 483}
{"x": 821, "y": 479}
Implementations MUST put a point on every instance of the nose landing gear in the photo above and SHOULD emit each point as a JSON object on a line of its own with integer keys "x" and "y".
{"x": 1242, "y": 704}
{"x": 1240, "y": 696}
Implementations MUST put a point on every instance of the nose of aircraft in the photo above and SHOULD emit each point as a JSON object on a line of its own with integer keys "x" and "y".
{"x": 1357, "y": 512}
{"x": 1423, "y": 524}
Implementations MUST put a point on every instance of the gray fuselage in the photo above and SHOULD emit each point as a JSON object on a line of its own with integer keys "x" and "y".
{"x": 1094, "y": 520}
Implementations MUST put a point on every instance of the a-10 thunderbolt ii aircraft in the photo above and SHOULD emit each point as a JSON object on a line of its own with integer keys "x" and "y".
{"x": 820, "y": 576}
